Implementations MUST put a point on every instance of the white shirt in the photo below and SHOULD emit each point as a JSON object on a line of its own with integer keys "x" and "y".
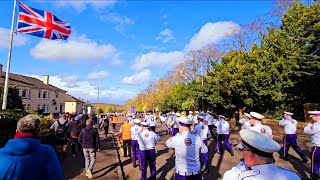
{"x": 190, "y": 116}
{"x": 173, "y": 121}
{"x": 187, "y": 147}
{"x": 245, "y": 123}
{"x": 135, "y": 130}
{"x": 195, "y": 119}
{"x": 201, "y": 130}
{"x": 147, "y": 140}
{"x": 152, "y": 122}
{"x": 259, "y": 172}
{"x": 290, "y": 126}
{"x": 314, "y": 131}
{"x": 210, "y": 120}
{"x": 263, "y": 129}
{"x": 131, "y": 120}
{"x": 222, "y": 127}
{"x": 55, "y": 125}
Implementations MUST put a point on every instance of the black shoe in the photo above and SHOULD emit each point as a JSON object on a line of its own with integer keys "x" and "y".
{"x": 304, "y": 161}
{"x": 284, "y": 158}
{"x": 232, "y": 153}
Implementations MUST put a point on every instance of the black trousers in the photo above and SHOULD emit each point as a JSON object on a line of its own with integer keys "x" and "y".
{"x": 114, "y": 126}
{"x": 126, "y": 147}
{"x": 106, "y": 128}
{"x": 74, "y": 143}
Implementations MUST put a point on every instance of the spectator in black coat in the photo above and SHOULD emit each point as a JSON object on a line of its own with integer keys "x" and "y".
{"x": 89, "y": 140}
{"x": 74, "y": 129}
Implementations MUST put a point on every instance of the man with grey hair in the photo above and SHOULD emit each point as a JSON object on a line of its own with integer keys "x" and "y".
{"x": 89, "y": 140}
{"x": 24, "y": 157}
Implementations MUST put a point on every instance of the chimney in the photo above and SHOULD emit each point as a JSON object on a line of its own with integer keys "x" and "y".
{"x": 46, "y": 79}
{"x": 1, "y": 68}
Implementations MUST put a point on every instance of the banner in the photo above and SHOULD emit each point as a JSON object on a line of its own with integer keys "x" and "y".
{"x": 133, "y": 110}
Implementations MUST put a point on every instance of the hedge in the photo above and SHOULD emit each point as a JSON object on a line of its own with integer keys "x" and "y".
{"x": 8, "y": 124}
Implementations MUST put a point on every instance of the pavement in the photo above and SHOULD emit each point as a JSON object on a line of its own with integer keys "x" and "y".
{"x": 107, "y": 167}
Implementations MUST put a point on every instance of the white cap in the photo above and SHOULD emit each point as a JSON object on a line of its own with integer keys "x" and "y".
{"x": 178, "y": 114}
{"x": 247, "y": 115}
{"x": 316, "y": 113}
{"x": 183, "y": 113}
{"x": 222, "y": 116}
{"x": 190, "y": 112}
{"x": 144, "y": 123}
{"x": 77, "y": 118}
{"x": 197, "y": 112}
{"x": 200, "y": 117}
{"x": 258, "y": 143}
{"x": 137, "y": 121}
{"x": 310, "y": 116}
{"x": 184, "y": 121}
{"x": 256, "y": 115}
{"x": 288, "y": 113}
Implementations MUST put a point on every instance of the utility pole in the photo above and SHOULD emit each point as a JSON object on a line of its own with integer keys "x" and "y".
{"x": 202, "y": 85}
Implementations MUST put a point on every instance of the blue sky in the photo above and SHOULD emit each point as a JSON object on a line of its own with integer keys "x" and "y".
{"x": 122, "y": 46}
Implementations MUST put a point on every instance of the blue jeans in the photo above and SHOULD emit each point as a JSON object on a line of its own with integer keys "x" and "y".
{"x": 90, "y": 158}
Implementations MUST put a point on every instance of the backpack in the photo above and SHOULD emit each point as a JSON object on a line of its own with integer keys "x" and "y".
{"x": 61, "y": 130}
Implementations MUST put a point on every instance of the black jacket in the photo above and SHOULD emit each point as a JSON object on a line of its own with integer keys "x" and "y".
{"x": 89, "y": 138}
{"x": 75, "y": 128}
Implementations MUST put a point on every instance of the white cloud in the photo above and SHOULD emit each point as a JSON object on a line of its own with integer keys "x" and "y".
{"x": 157, "y": 58}
{"x": 119, "y": 21}
{"x": 151, "y": 47}
{"x": 18, "y": 40}
{"x": 76, "y": 49}
{"x": 97, "y": 75}
{"x": 89, "y": 91}
{"x": 82, "y": 5}
{"x": 212, "y": 33}
{"x": 138, "y": 78}
{"x": 165, "y": 36}
{"x": 165, "y": 16}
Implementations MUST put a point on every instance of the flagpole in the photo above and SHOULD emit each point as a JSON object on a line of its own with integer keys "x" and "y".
{"x": 6, "y": 84}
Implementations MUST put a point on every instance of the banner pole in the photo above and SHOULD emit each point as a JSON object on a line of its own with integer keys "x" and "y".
{"x": 6, "y": 84}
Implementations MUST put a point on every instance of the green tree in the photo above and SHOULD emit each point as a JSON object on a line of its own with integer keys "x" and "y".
{"x": 14, "y": 101}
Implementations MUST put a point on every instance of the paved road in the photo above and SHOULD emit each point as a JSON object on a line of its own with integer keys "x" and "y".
{"x": 107, "y": 167}
{"x": 219, "y": 163}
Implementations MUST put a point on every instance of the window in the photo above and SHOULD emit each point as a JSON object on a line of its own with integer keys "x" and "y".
{"x": 39, "y": 106}
{"x": 48, "y": 94}
{"x": 56, "y": 107}
{"x": 57, "y": 94}
{"x": 18, "y": 91}
{"x": 47, "y": 108}
{"x": 39, "y": 94}
{"x": 29, "y": 94}
{"x": 24, "y": 106}
{"x": 24, "y": 93}
{"x": 44, "y": 107}
{"x": 28, "y": 106}
{"x": 44, "y": 95}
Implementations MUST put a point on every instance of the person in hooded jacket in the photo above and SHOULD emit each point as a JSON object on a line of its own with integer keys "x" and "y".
{"x": 24, "y": 157}
{"x": 89, "y": 140}
{"x": 75, "y": 127}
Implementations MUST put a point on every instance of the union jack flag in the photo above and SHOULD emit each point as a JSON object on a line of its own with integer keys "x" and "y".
{"x": 41, "y": 23}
